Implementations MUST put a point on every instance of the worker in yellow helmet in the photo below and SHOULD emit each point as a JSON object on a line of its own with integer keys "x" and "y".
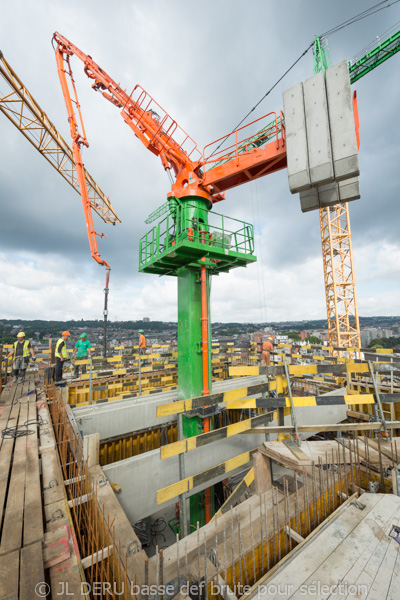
{"x": 61, "y": 354}
{"x": 21, "y": 352}
{"x": 267, "y": 348}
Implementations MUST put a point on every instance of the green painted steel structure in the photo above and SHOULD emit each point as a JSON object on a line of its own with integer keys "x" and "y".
{"x": 375, "y": 57}
{"x": 189, "y": 234}
{"x": 190, "y": 366}
{"x": 363, "y": 65}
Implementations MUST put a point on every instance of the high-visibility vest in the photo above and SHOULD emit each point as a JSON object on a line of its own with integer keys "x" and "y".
{"x": 142, "y": 341}
{"x": 25, "y": 351}
{"x": 64, "y": 352}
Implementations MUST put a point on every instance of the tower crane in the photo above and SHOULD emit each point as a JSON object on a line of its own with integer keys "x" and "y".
{"x": 203, "y": 177}
{"x": 183, "y": 243}
{"x": 190, "y": 241}
{"x": 24, "y": 112}
{"x": 337, "y": 253}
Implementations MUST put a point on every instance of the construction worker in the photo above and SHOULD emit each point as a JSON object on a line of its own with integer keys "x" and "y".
{"x": 21, "y": 352}
{"x": 267, "y": 348}
{"x": 61, "y": 354}
{"x": 142, "y": 342}
{"x": 82, "y": 350}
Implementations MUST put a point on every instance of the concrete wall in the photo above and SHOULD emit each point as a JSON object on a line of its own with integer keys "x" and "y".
{"x": 132, "y": 414}
{"x": 141, "y": 476}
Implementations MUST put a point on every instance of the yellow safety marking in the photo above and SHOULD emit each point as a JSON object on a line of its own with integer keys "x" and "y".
{"x": 183, "y": 405}
{"x": 249, "y": 477}
{"x": 302, "y": 401}
{"x": 357, "y": 368}
{"x": 191, "y": 443}
{"x": 236, "y": 461}
{"x": 359, "y": 399}
{"x": 242, "y": 403}
{"x": 114, "y": 359}
{"x": 87, "y": 376}
{"x": 247, "y": 480}
{"x": 302, "y": 369}
{"x": 173, "y": 449}
{"x": 185, "y": 485}
{"x": 243, "y": 370}
{"x": 176, "y": 489}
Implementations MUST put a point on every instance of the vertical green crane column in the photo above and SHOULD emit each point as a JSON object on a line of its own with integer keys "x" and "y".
{"x": 190, "y": 370}
{"x": 194, "y": 218}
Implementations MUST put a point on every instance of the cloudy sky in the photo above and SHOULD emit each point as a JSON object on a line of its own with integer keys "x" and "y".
{"x": 207, "y": 63}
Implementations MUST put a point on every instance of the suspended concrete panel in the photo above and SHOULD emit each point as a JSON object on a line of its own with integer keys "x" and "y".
{"x": 296, "y": 139}
{"x": 322, "y": 154}
{"x": 330, "y": 194}
{"x": 318, "y": 130}
{"x": 341, "y": 118}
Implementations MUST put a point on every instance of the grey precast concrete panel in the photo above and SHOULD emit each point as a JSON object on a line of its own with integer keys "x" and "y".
{"x": 320, "y": 196}
{"x": 320, "y": 415}
{"x": 341, "y": 119}
{"x": 330, "y": 194}
{"x": 309, "y": 200}
{"x": 119, "y": 417}
{"x": 318, "y": 130}
{"x": 141, "y": 476}
{"x": 296, "y": 139}
{"x": 349, "y": 189}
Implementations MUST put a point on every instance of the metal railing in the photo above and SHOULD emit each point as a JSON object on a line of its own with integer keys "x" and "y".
{"x": 274, "y": 129}
{"x": 225, "y": 233}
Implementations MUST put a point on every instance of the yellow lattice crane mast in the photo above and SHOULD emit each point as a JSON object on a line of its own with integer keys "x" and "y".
{"x": 337, "y": 254}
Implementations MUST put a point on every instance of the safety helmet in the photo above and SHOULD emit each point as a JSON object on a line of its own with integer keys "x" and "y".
{"x": 66, "y": 333}
{"x": 21, "y": 334}
{"x": 141, "y": 331}
{"x": 83, "y": 335}
{"x": 270, "y": 338}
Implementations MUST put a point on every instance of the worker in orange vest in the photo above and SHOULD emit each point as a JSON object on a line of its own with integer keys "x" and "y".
{"x": 142, "y": 342}
{"x": 267, "y": 348}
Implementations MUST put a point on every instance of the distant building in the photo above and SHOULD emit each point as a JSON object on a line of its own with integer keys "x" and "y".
{"x": 303, "y": 335}
{"x": 146, "y": 320}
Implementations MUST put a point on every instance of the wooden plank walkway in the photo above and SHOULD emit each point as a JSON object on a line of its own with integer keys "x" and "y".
{"x": 353, "y": 549}
{"x": 26, "y": 434}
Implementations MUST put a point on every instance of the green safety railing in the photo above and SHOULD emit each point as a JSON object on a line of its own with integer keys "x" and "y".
{"x": 183, "y": 237}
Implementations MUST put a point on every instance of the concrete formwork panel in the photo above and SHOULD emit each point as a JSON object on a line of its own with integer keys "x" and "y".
{"x": 318, "y": 130}
{"x": 330, "y": 194}
{"x": 119, "y": 417}
{"x": 349, "y": 189}
{"x": 296, "y": 139}
{"x": 141, "y": 476}
{"x": 341, "y": 119}
{"x": 309, "y": 200}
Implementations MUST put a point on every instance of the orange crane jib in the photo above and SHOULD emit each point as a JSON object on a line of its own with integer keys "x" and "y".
{"x": 195, "y": 173}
